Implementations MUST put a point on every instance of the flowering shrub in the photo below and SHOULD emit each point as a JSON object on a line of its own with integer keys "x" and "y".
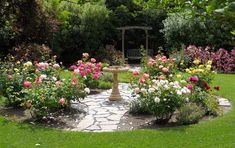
{"x": 88, "y": 69}
{"x": 160, "y": 67}
{"x": 39, "y": 87}
{"x": 161, "y": 98}
{"x": 12, "y": 76}
{"x": 49, "y": 93}
{"x": 222, "y": 60}
{"x": 160, "y": 90}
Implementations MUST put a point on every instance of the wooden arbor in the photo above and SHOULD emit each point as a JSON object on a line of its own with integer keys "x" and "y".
{"x": 133, "y": 27}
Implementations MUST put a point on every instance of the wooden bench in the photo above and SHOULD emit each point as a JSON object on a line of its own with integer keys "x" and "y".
{"x": 135, "y": 54}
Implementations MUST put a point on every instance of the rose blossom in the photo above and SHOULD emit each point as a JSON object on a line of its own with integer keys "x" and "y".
{"x": 137, "y": 90}
{"x": 216, "y": 88}
{"x": 160, "y": 66}
{"x": 194, "y": 79}
{"x": 146, "y": 76}
{"x": 96, "y": 76}
{"x": 93, "y": 60}
{"x": 165, "y": 70}
{"x": 190, "y": 86}
{"x": 58, "y": 83}
{"x": 135, "y": 73}
{"x": 85, "y": 55}
{"x": 141, "y": 80}
{"x": 74, "y": 81}
{"x": 27, "y": 84}
{"x": 62, "y": 101}
{"x": 73, "y": 67}
{"x": 56, "y": 66}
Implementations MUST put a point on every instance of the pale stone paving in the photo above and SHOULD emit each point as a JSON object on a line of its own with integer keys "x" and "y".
{"x": 104, "y": 115}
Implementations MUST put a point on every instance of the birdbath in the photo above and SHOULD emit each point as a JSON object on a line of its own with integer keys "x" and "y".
{"x": 115, "y": 95}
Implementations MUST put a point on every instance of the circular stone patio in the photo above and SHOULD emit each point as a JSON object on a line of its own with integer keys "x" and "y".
{"x": 103, "y": 115}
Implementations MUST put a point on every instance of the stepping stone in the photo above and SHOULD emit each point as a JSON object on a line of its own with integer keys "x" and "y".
{"x": 224, "y": 102}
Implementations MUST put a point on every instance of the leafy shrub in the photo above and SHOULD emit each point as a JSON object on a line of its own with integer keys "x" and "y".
{"x": 31, "y": 52}
{"x": 222, "y": 59}
{"x": 110, "y": 56}
{"x": 184, "y": 28}
{"x": 12, "y": 75}
{"x": 104, "y": 85}
{"x": 189, "y": 113}
{"x": 211, "y": 105}
{"x": 49, "y": 95}
{"x": 156, "y": 91}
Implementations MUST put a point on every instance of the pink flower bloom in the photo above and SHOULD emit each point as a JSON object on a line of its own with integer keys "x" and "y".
{"x": 38, "y": 80}
{"x": 96, "y": 76}
{"x": 42, "y": 65}
{"x": 85, "y": 55}
{"x": 80, "y": 61}
{"x": 62, "y": 101}
{"x": 194, "y": 79}
{"x": 73, "y": 67}
{"x": 165, "y": 70}
{"x": 150, "y": 63}
{"x": 190, "y": 86}
{"x": 56, "y": 66}
{"x": 82, "y": 73}
{"x": 164, "y": 59}
{"x": 99, "y": 65}
{"x": 97, "y": 69}
{"x": 74, "y": 81}
{"x": 27, "y": 84}
{"x": 135, "y": 73}
{"x": 145, "y": 76}
{"x": 42, "y": 77}
{"x": 141, "y": 80}
{"x": 137, "y": 90}
{"x": 88, "y": 71}
{"x": 76, "y": 71}
{"x": 93, "y": 60}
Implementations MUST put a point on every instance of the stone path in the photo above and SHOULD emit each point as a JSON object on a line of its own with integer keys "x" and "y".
{"x": 102, "y": 114}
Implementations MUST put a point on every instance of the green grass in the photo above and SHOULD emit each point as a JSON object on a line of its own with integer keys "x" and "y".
{"x": 219, "y": 132}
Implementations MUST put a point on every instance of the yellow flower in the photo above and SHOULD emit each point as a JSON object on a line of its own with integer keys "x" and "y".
{"x": 16, "y": 70}
{"x": 179, "y": 76}
{"x": 196, "y": 61}
{"x": 209, "y": 62}
{"x": 187, "y": 70}
{"x": 200, "y": 66}
{"x": 18, "y": 62}
{"x": 208, "y": 67}
{"x": 28, "y": 64}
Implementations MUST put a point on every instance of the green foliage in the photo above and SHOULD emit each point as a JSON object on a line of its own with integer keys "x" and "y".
{"x": 211, "y": 105}
{"x": 189, "y": 113}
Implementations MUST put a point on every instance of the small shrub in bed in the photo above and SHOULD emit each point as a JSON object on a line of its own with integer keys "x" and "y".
{"x": 190, "y": 113}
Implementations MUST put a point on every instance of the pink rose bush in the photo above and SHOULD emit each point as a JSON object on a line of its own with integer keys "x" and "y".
{"x": 159, "y": 89}
{"x": 37, "y": 86}
{"x": 88, "y": 70}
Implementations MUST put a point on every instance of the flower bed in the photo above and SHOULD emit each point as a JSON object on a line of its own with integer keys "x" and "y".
{"x": 39, "y": 87}
{"x": 161, "y": 90}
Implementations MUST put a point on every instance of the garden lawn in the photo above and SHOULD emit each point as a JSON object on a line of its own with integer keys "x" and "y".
{"x": 219, "y": 132}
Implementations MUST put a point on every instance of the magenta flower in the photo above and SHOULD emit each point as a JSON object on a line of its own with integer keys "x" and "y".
{"x": 190, "y": 86}
{"x": 73, "y": 67}
{"x": 194, "y": 79}
{"x": 96, "y": 76}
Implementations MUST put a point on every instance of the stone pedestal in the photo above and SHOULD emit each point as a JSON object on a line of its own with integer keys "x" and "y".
{"x": 115, "y": 95}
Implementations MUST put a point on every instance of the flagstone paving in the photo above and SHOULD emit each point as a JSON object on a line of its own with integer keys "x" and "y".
{"x": 103, "y": 115}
